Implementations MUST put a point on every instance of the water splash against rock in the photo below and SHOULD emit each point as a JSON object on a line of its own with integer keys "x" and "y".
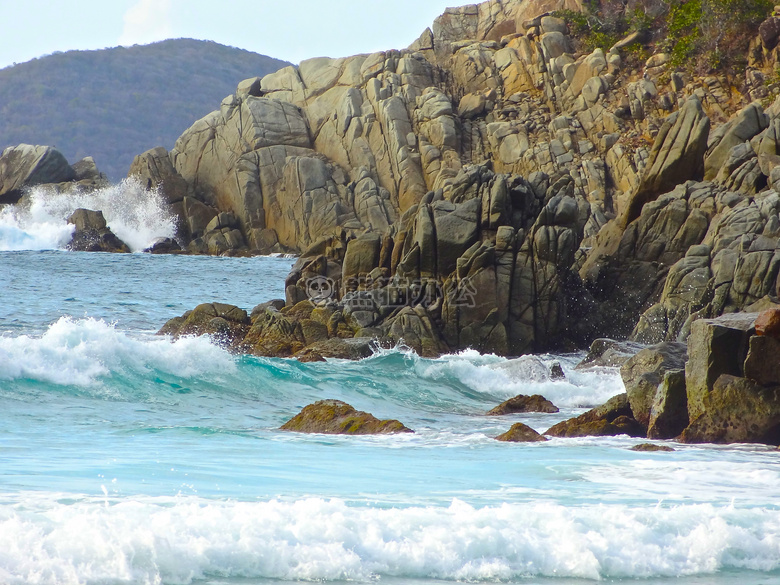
{"x": 39, "y": 221}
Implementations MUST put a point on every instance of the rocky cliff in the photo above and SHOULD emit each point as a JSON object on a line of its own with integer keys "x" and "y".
{"x": 492, "y": 187}
{"x": 496, "y": 185}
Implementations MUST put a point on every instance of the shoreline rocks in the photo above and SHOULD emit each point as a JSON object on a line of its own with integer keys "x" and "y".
{"x": 522, "y": 403}
{"x": 521, "y": 433}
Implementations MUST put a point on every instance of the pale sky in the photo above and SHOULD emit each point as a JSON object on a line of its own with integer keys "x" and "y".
{"x": 292, "y": 30}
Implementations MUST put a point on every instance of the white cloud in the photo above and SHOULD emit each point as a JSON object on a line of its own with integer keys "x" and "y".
{"x": 146, "y": 21}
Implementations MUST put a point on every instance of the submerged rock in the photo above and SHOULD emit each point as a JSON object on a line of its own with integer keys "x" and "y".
{"x": 334, "y": 417}
{"x": 523, "y": 403}
{"x": 521, "y": 433}
{"x": 649, "y": 447}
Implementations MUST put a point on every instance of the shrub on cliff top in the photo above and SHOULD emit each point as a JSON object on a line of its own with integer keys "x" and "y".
{"x": 702, "y": 35}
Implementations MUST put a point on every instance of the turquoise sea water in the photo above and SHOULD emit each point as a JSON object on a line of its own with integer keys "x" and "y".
{"x": 131, "y": 458}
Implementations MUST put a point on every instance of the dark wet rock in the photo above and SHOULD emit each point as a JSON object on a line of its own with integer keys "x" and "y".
{"x": 523, "y": 403}
{"x": 610, "y": 419}
{"x": 650, "y": 447}
{"x": 164, "y": 246}
{"x": 521, "y": 433}
{"x": 92, "y": 234}
{"x": 334, "y": 417}
{"x": 556, "y": 371}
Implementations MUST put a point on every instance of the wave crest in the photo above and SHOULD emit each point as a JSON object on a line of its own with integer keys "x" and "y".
{"x": 314, "y": 539}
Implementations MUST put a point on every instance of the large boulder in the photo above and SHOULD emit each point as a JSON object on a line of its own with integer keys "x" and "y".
{"x": 762, "y": 364}
{"x": 609, "y": 353}
{"x": 749, "y": 122}
{"x": 669, "y": 412}
{"x": 643, "y": 373}
{"x": 26, "y": 166}
{"x": 737, "y": 410}
{"x": 715, "y": 347}
{"x": 155, "y": 171}
{"x": 334, "y": 417}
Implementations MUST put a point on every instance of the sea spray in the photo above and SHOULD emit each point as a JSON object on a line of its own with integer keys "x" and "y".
{"x": 39, "y": 222}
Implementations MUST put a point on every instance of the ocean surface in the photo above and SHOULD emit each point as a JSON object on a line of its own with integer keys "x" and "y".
{"x": 129, "y": 458}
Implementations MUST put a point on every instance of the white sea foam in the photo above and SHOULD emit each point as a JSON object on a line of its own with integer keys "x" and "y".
{"x": 135, "y": 215}
{"x": 180, "y": 541}
{"x": 503, "y": 379}
{"x": 81, "y": 352}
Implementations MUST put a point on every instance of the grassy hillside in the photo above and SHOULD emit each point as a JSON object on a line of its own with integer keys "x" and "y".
{"x": 115, "y": 103}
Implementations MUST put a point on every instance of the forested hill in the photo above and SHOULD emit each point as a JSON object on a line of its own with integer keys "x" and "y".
{"x": 113, "y": 104}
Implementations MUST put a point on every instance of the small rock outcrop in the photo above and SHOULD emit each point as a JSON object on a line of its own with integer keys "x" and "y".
{"x": 521, "y": 433}
{"x": 92, "y": 233}
{"x": 334, "y": 417}
{"x": 651, "y": 447}
{"x": 228, "y": 325}
{"x": 612, "y": 418}
{"x": 523, "y": 403}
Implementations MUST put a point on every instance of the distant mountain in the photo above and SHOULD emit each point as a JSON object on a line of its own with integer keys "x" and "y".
{"x": 113, "y": 104}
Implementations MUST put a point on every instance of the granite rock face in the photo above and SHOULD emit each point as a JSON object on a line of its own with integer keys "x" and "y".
{"x": 490, "y": 188}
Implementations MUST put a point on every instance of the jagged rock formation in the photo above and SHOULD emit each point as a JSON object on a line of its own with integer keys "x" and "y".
{"x": 727, "y": 391}
{"x": 489, "y": 188}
